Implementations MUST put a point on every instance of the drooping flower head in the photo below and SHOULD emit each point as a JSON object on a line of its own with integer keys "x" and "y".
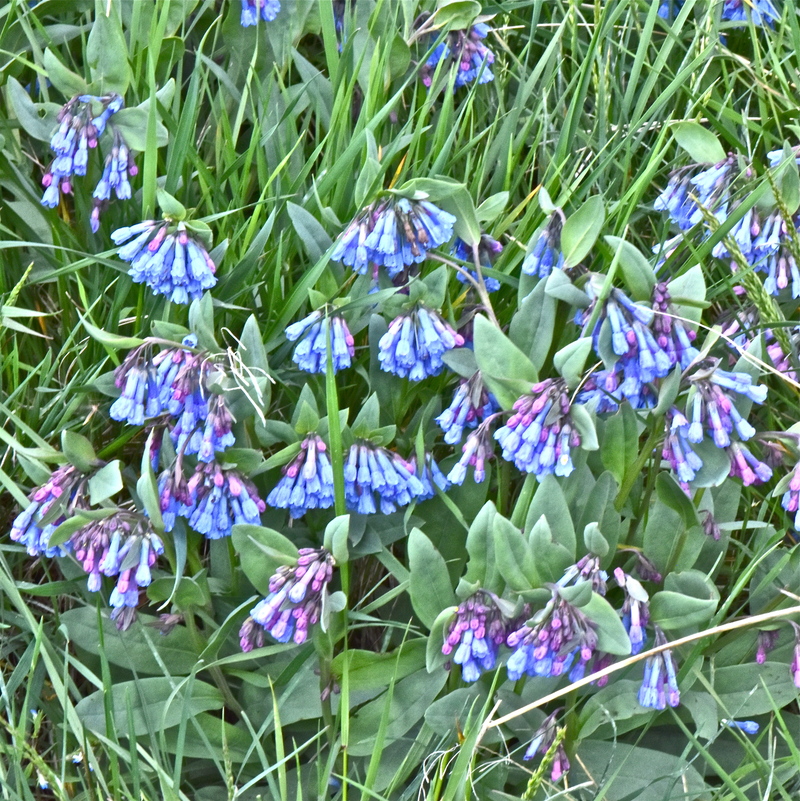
{"x": 311, "y": 352}
{"x": 670, "y": 333}
{"x": 49, "y": 506}
{"x": 466, "y": 49}
{"x": 677, "y": 449}
{"x": 252, "y": 9}
{"x": 169, "y": 261}
{"x": 746, "y": 466}
{"x": 544, "y": 251}
{"x": 475, "y": 635}
{"x": 173, "y": 493}
{"x": 307, "y": 481}
{"x": 77, "y": 133}
{"x": 635, "y": 609}
{"x": 762, "y": 12}
{"x": 119, "y": 167}
{"x": 767, "y": 640}
{"x": 539, "y": 436}
{"x": 415, "y": 343}
{"x": 220, "y": 499}
{"x": 791, "y": 498}
{"x": 604, "y": 390}
{"x": 476, "y": 451}
{"x": 394, "y": 233}
{"x": 660, "y": 684}
{"x": 377, "y": 478}
{"x": 543, "y": 739}
{"x": 430, "y": 476}
{"x": 294, "y": 603}
{"x": 471, "y": 403}
{"x": 488, "y": 250}
{"x": 555, "y": 637}
{"x": 587, "y": 568}
{"x": 712, "y": 408}
{"x": 688, "y": 190}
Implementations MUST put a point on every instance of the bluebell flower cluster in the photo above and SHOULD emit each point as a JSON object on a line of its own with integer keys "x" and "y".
{"x": 393, "y": 233}
{"x": 475, "y": 635}
{"x": 471, "y": 403}
{"x": 415, "y": 343}
{"x": 77, "y": 134}
{"x": 560, "y": 635}
{"x": 746, "y": 466}
{"x": 377, "y": 478}
{"x": 762, "y": 12}
{"x": 587, "y": 568}
{"x": 677, "y": 449}
{"x": 538, "y": 438}
{"x": 118, "y": 169}
{"x": 430, "y": 476}
{"x": 606, "y": 389}
{"x": 311, "y": 352}
{"x": 544, "y": 251}
{"x": 169, "y": 262}
{"x": 671, "y": 334}
{"x": 34, "y": 525}
{"x": 220, "y": 499}
{"x": 713, "y": 411}
{"x": 660, "y": 684}
{"x": 173, "y": 494}
{"x": 488, "y": 250}
{"x": 253, "y": 9}
{"x": 466, "y": 49}
{"x": 307, "y": 481}
{"x": 635, "y": 609}
{"x": 124, "y": 546}
{"x": 476, "y": 451}
{"x": 541, "y": 743}
{"x": 294, "y": 603}
{"x": 688, "y": 190}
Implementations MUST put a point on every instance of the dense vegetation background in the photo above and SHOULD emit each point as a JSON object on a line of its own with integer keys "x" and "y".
{"x": 240, "y": 565}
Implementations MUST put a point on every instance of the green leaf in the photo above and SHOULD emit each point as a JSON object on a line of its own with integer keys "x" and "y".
{"x": 481, "y": 565}
{"x": 66, "y": 81}
{"x": 147, "y": 490}
{"x": 455, "y": 14}
{"x": 551, "y": 557}
{"x": 583, "y": 420}
{"x": 132, "y": 124}
{"x": 515, "y": 557}
{"x": 581, "y": 230}
{"x": 368, "y": 418}
{"x": 716, "y": 465}
{"x": 671, "y": 495}
{"x": 335, "y": 540}
{"x": 107, "y": 51}
{"x": 594, "y": 540}
{"x": 636, "y": 269}
{"x": 467, "y": 226}
{"x": 689, "y": 598}
{"x": 571, "y": 359}
{"x": 701, "y": 145}
{"x": 506, "y": 370}
{"x": 620, "y": 442}
{"x": 314, "y": 237}
{"x": 754, "y": 689}
{"x": 201, "y": 321}
{"x": 691, "y": 286}
{"x": 152, "y": 704}
{"x": 111, "y": 340}
{"x": 367, "y": 670}
{"x": 533, "y": 325}
{"x": 492, "y": 207}
{"x": 169, "y": 206}
{"x": 78, "y": 451}
{"x": 560, "y": 287}
{"x": 434, "y": 658}
{"x": 668, "y": 391}
{"x": 789, "y": 180}
{"x": 36, "y": 119}
{"x": 429, "y": 581}
{"x": 549, "y": 500}
{"x": 436, "y": 287}
{"x": 611, "y": 635}
{"x": 105, "y": 483}
{"x": 261, "y": 552}
{"x": 461, "y": 361}
{"x": 80, "y": 519}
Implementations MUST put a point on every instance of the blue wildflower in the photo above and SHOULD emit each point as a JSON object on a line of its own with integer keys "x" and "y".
{"x": 767, "y": 640}
{"x": 488, "y": 249}
{"x": 171, "y": 264}
{"x": 415, "y": 343}
{"x": 217, "y": 434}
{"x": 791, "y": 497}
{"x": 671, "y": 335}
{"x": 311, "y": 352}
{"x": 587, "y": 568}
{"x": 762, "y": 12}
{"x": 604, "y": 390}
{"x": 475, "y": 635}
{"x": 307, "y": 481}
{"x": 77, "y": 134}
{"x": 471, "y": 403}
{"x": 746, "y": 726}
{"x": 173, "y": 493}
{"x": 549, "y": 644}
{"x": 252, "y": 9}
{"x": 294, "y": 603}
{"x": 63, "y": 488}
{"x": 543, "y": 739}
{"x": 635, "y": 609}
{"x": 746, "y": 466}
{"x": 544, "y": 250}
{"x": 430, "y": 476}
{"x": 712, "y": 407}
{"x": 476, "y": 451}
{"x": 466, "y": 49}
{"x": 677, "y": 449}
{"x": 775, "y": 157}
{"x": 220, "y": 499}
{"x": 118, "y": 167}
{"x": 540, "y": 434}
{"x": 660, "y": 684}
{"x": 371, "y": 471}
{"x": 686, "y": 192}
{"x": 393, "y": 233}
